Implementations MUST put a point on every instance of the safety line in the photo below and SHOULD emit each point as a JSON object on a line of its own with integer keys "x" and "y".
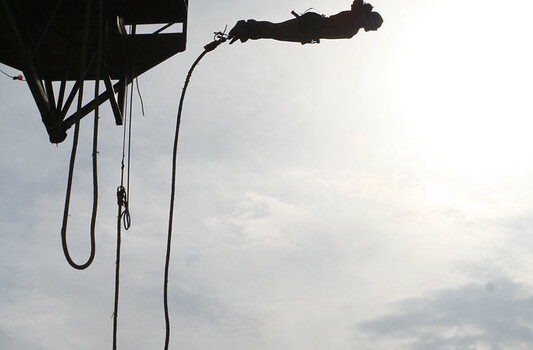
{"x": 123, "y": 216}
{"x": 219, "y": 39}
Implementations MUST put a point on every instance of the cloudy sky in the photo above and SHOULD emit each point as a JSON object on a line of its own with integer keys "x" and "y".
{"x": 372, "y": 193}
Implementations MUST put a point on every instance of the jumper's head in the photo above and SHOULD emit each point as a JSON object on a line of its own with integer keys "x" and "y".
{"x": 372, "y": 22}
{"x": 365, "y": 15}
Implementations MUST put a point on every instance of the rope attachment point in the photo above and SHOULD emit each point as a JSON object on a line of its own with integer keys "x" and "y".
{"x": 220, "y": 37}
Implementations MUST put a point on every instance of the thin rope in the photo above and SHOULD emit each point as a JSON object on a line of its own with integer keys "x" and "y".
{"x": 13, "y": 77}
{"x": 7, "y": 75}
{"x": 4, "y": 73}
{"x": 125, "y": 124}
{"x": 309, "y": 9}
{"x": 128, "y": 194}
{"x": 140, "y": 95}
{"x": 219, "y": 39}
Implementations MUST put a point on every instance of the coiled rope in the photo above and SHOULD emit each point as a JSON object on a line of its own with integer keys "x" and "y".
{"x": 219, "y": 39}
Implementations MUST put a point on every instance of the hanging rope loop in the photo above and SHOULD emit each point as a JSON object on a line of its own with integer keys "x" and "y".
{"x": 72, "y": 162}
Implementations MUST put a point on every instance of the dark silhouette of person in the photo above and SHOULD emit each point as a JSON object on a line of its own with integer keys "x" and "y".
{"x": 311, "y": 26}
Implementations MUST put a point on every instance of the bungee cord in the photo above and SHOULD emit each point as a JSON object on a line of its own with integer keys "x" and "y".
{"x": 220, "y": 37}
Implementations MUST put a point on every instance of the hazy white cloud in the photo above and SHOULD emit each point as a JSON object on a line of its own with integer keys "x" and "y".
{"x": 493, "y": 315}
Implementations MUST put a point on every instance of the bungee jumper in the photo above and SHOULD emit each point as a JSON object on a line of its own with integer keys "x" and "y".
{"x": 310, "y": 27}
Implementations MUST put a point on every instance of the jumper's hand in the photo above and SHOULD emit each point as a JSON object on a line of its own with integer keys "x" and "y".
{"x": 239, "y": 32}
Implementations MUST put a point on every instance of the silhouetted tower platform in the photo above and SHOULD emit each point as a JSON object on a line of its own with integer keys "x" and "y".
{"x": 58, "y": 40}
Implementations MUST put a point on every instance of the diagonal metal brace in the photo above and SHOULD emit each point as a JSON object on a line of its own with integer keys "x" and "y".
{"x": 89, "y": 107}
{"x": 52, "y": 123}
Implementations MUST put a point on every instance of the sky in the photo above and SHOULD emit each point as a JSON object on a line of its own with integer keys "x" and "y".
{"x": 372, "y": 193}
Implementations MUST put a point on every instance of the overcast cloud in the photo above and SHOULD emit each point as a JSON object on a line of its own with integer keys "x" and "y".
{"x": 494, "y": 315}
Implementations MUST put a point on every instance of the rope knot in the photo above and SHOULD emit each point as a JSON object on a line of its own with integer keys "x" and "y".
{"x": 121, "y": 196}
{"x": 219, "y": 38}
{"x": 122, "y": 201}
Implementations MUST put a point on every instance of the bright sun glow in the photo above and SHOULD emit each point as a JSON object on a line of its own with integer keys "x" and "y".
{"x": 464, "y": 92}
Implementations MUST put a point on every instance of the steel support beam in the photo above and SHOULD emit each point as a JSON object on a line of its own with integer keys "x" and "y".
{"x": 51, "y": 96}
{"x": 70, "y": 99}
{"x": 114, "y": 105}
{"x": 49, "y": 118}
{"x": 89, "y": 107}
{"x": 61, "y": 95}
{"x": 121, "y": 94}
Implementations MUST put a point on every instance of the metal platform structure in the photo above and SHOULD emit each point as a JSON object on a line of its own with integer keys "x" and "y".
{"x": 63, "y": 41}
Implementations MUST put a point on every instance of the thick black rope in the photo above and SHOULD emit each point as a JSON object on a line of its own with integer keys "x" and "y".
{"x": 117, "y": 279}
{"x": 97, "y": 116}
{"x": 73, "y": 162}
{"x": 123, "y": 219}
{"x": 122, "y": 203}
{"x": 219, "y": 39}
{"x": 123, "y": 216}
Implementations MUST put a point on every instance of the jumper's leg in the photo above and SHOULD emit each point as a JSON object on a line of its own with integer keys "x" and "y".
{"x": 304, "y": 29}
{"x": 285, "y": 31}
